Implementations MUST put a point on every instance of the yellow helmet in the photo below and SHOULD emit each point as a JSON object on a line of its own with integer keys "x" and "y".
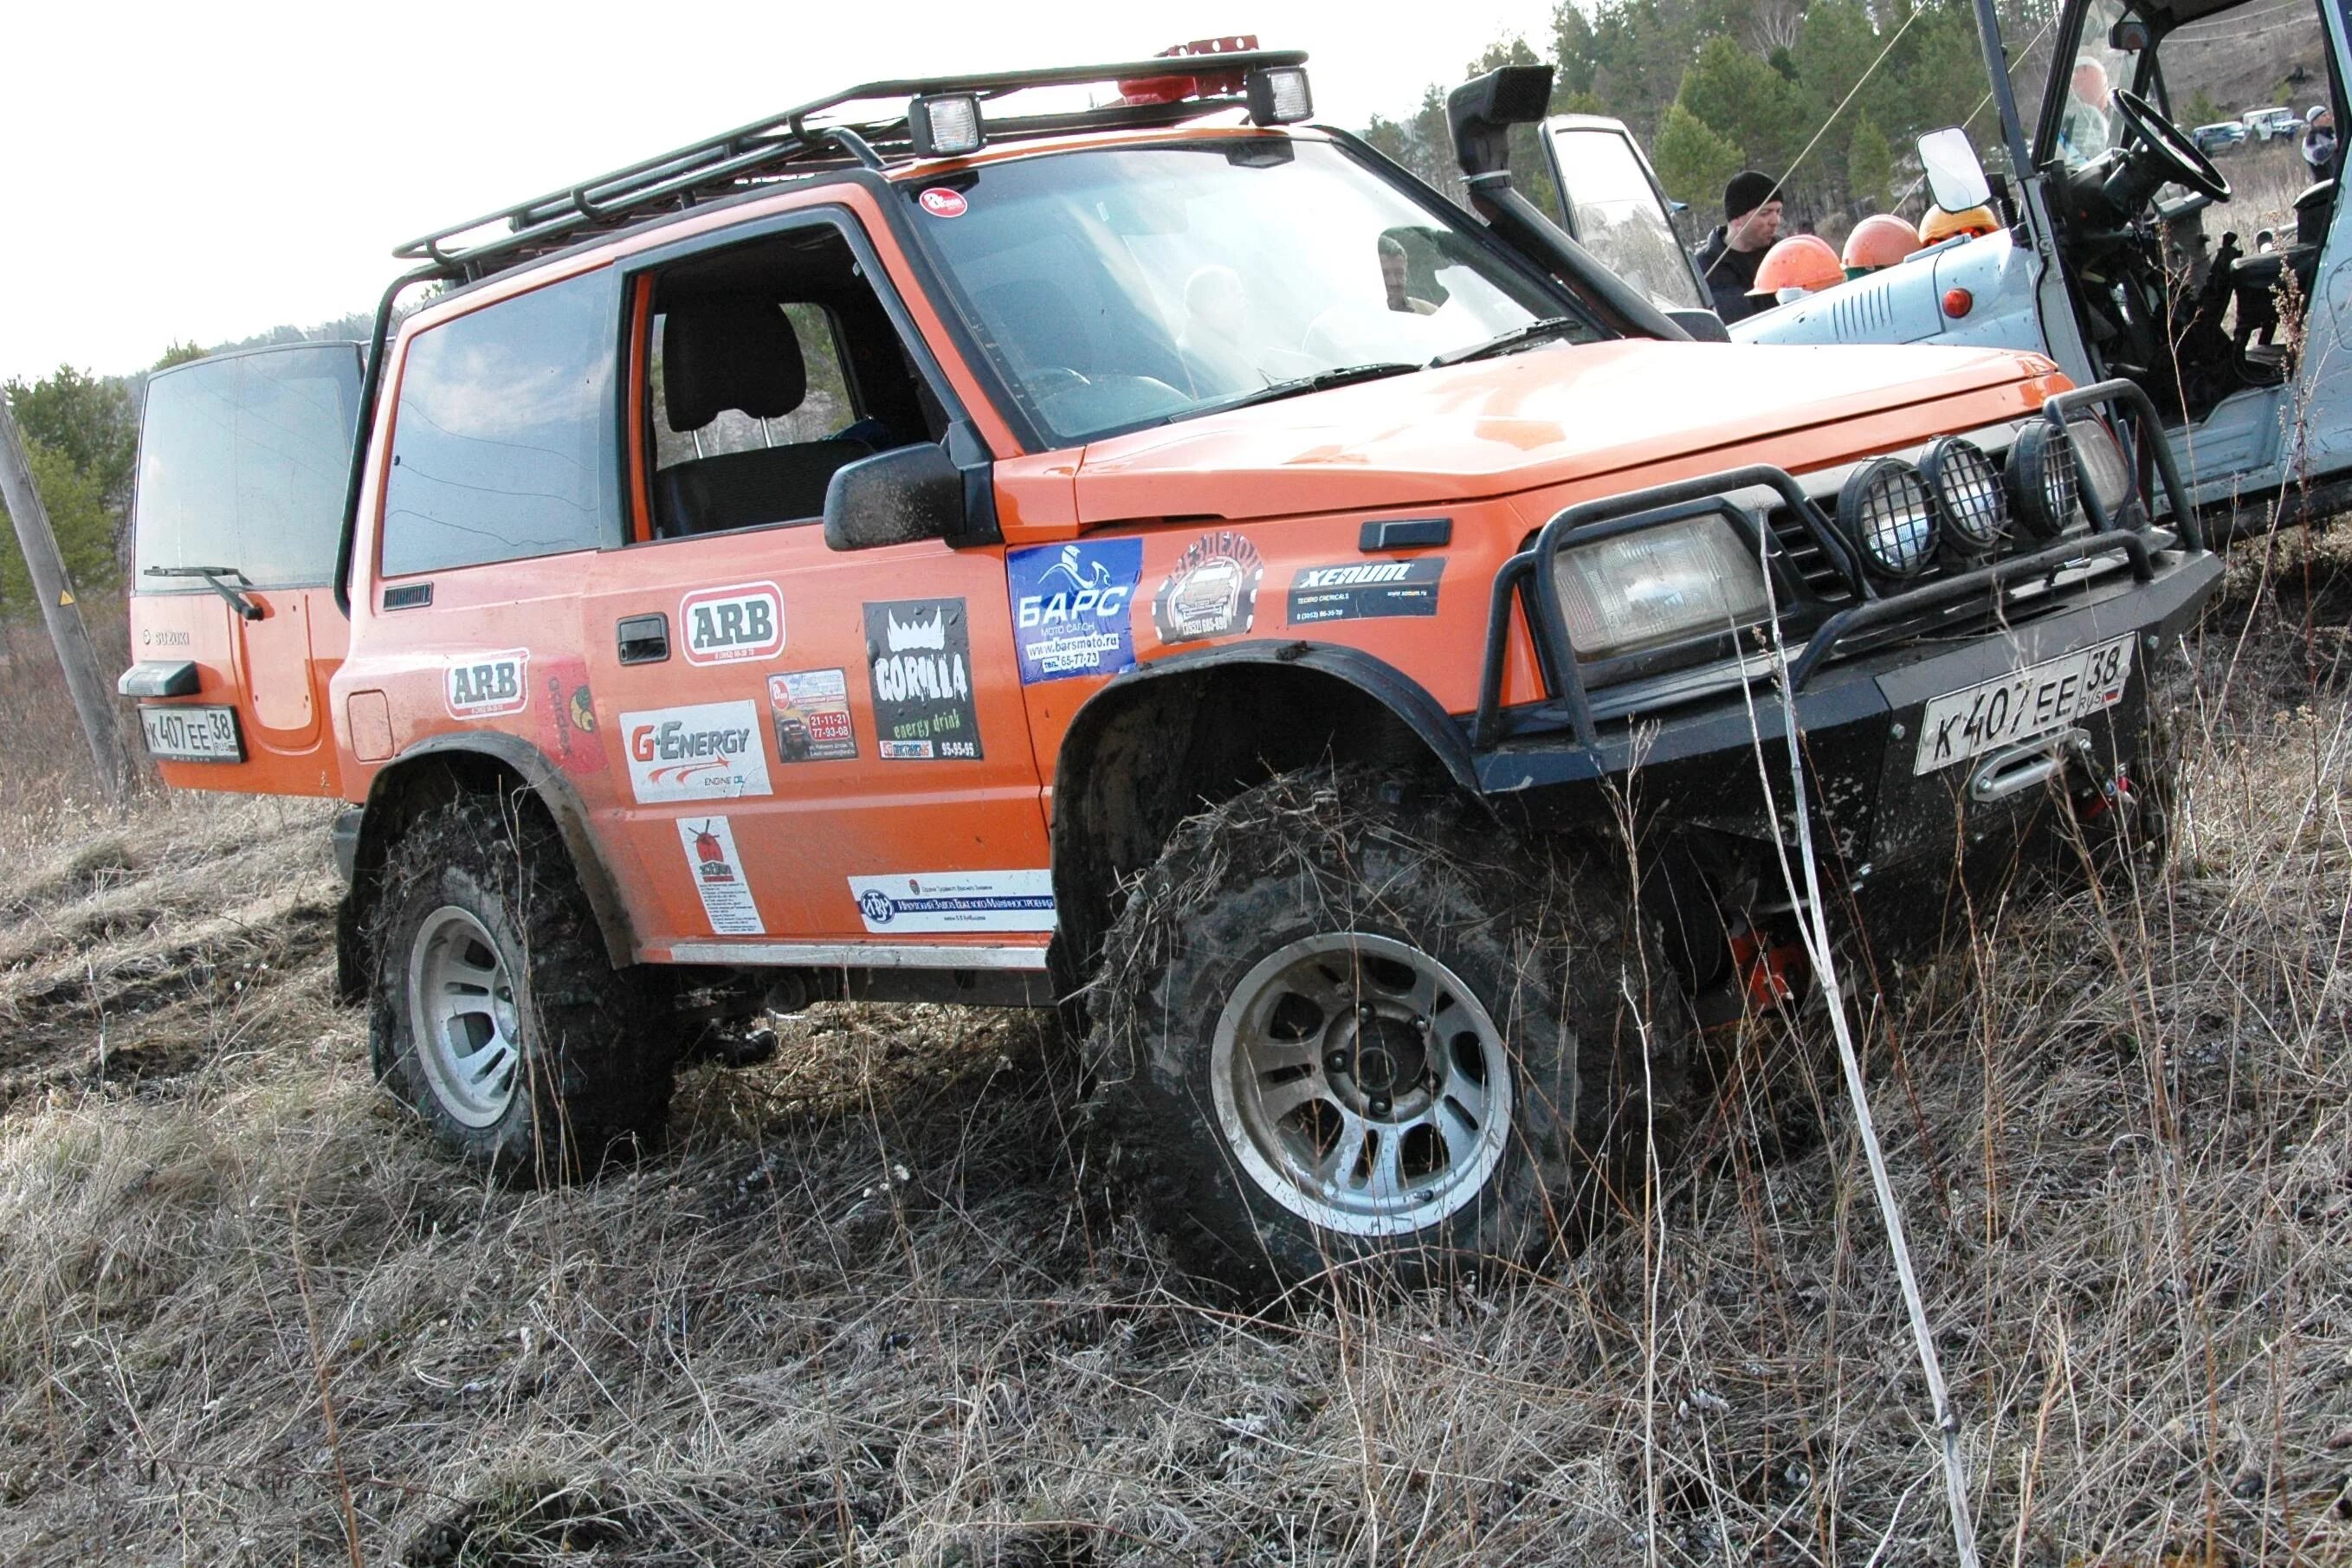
{"x": 1939, "y": 226}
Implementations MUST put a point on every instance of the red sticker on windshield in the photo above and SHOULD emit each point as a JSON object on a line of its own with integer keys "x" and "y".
{"x": 942, "y": 202}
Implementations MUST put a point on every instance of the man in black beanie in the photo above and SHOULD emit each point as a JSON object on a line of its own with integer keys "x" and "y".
{"x": 1728, "y": 260}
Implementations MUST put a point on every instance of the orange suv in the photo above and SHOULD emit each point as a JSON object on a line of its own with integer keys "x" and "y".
{"x": 950, "y": 542}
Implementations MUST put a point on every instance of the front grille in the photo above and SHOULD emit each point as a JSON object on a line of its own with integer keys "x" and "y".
{"x": 1812, "y": 562}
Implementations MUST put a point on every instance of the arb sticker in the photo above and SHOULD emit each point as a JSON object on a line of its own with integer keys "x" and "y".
{"x": 708, "y": 752}
{"x": 725, "y": 625}
{"x": 1072, "y": 606}
{"x": 1211, "y": 590}
{"x": 942, "y": 202}
{"x": 811, "y": 711}
{"x": 1366, "y": 589}
{"x": 483, "y": 685}
{"x": 919, "y": 654}
{"x": 932, "y": 902}
{"x": 719, "y": 876}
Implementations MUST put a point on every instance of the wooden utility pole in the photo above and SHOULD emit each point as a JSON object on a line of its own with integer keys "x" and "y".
{"x": 91, "y": 699}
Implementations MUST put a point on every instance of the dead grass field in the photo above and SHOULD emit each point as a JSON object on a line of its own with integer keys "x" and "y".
{"x": 871, "y": 1308}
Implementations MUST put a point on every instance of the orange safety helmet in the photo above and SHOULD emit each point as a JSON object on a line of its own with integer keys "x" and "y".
{"x": 1880, "y": 240}
{"x": 1939, "y": 226}
{"x": 1802, "y": 262}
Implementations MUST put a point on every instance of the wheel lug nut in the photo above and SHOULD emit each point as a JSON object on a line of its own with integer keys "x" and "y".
{"x": 1379, "y": 1106}
{"x": 1336, "y": 1061}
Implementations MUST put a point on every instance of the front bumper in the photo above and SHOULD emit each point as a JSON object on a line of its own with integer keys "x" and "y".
{"x": 1720, "y": 761}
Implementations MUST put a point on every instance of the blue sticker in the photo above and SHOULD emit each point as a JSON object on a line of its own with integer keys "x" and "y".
{"x": 1070, "y": 608}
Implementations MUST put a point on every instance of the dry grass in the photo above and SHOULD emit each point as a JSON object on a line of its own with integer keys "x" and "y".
{"x": 871, "y": 1309}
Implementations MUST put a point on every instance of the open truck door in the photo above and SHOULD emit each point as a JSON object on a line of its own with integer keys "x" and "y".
{"x": 1611, "y": 203}
{"x": 244, "y": 460}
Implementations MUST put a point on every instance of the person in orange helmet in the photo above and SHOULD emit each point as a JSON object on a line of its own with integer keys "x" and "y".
{"x": 1798, "y": 265}
{"x": 1880, "y": 240}
{"x": 1939, "y": 226}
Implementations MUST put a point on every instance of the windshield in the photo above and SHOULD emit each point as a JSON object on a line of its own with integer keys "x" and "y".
{"x": 2088, "y": 119}
{"x": 1123, "y": 287}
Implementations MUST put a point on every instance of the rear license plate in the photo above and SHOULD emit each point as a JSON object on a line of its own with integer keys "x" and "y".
{"x": 2022, "y": 705}
{"x": 192, "y": 734}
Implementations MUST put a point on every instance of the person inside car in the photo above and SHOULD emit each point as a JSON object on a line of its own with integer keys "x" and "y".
{"x": 2086, "y": 131}
{"x": 1751, "y": 221}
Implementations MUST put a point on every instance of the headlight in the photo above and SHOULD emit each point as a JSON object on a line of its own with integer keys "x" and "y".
{"x": 1885, "y": 511}
{"x": 1967, "y": 491}
{"x": 1643, "y": 589}
{"x": 2042, "y": 481}
{"x": 2102, "y": 468}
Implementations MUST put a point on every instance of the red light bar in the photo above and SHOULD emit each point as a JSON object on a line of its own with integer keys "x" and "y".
{"x": 1175, "y": 89}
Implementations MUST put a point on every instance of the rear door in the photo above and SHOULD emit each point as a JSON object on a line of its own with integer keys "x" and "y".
{"x": 244, "y": 461}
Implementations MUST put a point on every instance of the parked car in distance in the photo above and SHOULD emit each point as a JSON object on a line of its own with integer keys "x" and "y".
{"x": 2227, "y": 136}
{"x": 2271, "y": 123}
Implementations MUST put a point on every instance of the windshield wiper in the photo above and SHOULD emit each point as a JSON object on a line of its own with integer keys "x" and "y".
{"x": 1321, "y": 381}
{"x": 1541, "y": 330}
{"x": 211, "y": 576}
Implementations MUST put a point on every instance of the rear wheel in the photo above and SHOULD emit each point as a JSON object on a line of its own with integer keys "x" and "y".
{"x": 1339, "y": 1026}
{"x": 494, "y": 1012}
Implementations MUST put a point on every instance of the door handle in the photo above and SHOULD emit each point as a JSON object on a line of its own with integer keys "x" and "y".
{"x": 645, "y": 639}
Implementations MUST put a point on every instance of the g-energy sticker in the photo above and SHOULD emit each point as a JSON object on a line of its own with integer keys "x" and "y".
{"x": 726, "y": 625}
{"x": 1211, "y": 590}
{"x": 483, "y": 685}
{"x": 1071, "y": 608}
{"x": 719, "y": 876}
{"x": 934, "y": 901}
{"x": 1365, "y": 589}
{"x": 810, "y": 712}
{"x": 708, "y": 752}
{"x": 919, "y": 656}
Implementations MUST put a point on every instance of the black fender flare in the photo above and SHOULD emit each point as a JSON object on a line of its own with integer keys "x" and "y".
{"x": 548, "y": 784}
{"x": 1108, "y": 816}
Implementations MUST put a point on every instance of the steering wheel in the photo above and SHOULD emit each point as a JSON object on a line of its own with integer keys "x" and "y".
{"x": 2178, "y": 157}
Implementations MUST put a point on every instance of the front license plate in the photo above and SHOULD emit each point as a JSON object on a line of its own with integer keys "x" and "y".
{"x": 2022, "y": 705}
{"x": 192, "y": 734}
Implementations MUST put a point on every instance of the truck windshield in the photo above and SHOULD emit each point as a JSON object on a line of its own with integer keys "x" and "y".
{"x": 1119, "y": 288}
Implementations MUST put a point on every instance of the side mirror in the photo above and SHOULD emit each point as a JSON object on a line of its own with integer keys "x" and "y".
{"x": 895, "y": 497}
{"x": 1956, "y": 180}
{"x": 1481, "y": 111}
{"x": 1704, "y": 326}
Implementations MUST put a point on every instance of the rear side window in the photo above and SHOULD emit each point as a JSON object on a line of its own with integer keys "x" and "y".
{"x": 243, "y": 464}
{"x": 504, "y": 441}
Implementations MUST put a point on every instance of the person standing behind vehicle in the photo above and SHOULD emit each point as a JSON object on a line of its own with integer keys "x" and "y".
{"x": 1728, "y": 260}
{"x": 2319, "y": 142}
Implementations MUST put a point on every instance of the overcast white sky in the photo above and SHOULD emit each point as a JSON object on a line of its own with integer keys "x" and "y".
{"x": 209, "y": 170}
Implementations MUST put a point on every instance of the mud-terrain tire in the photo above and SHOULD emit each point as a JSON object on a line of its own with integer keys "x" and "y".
{"x": 494, "y": 1012}
{"x": 1232, "y": 1054}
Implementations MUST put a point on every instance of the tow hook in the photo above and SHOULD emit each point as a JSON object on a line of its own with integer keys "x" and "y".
{"x": 1763, "y": 978}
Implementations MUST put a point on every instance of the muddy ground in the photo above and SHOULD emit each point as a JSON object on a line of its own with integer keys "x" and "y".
{"x": 875, "y": 1304}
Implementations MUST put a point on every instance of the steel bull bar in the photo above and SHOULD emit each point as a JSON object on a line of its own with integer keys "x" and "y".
{"x": 1527, "y": 581}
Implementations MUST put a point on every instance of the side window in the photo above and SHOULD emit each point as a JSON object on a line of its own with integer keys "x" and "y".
{"x": 503, "y": 443}
{"x": 772, "y": 365}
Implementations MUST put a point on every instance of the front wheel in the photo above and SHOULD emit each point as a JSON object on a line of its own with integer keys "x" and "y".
{"x": 1339, "y": 1026}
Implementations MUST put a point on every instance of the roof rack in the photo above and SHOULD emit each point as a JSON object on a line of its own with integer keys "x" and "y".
{"x": 786, "y": 146}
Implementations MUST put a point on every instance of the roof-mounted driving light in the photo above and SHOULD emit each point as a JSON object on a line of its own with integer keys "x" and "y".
{"x": 1278, "y": 96}
{"x": 945, "y": 126}
{"x": 1968, "y": 495}
{"x": 1887, "y": 513}
{"x": 2041, "y": 488}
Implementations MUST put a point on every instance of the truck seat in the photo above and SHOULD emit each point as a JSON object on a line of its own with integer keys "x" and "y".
{"x": 739, "y": 351}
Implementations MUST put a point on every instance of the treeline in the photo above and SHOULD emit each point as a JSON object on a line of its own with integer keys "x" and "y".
{"x": 1831, "y": 94}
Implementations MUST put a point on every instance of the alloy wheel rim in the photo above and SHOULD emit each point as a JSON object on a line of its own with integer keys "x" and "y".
{"x": 1360, "y": 1084}
{"x": 462, "y": 1008}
